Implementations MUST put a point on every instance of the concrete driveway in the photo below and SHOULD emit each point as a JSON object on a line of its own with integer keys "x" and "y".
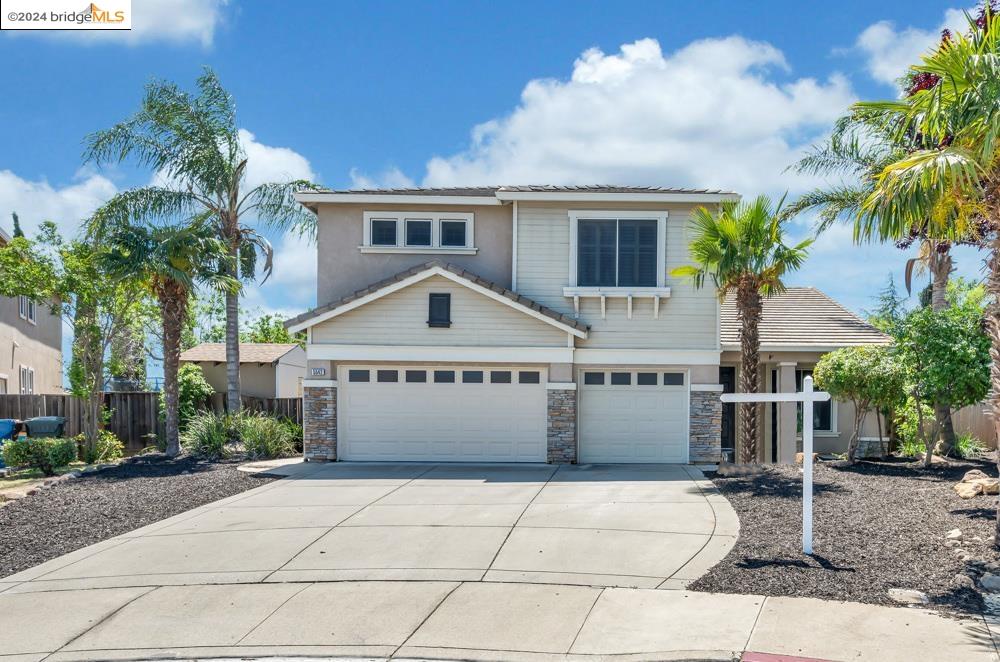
{"x": 510, "y": 562}
{"x": 640, "y": 526}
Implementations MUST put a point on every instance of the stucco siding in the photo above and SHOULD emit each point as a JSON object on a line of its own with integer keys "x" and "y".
{"x": 256, "y": 381}
{"x": 289, "y": 373}
{"x": 37, "y": 346}
{"x": 688, "y": 319}
{"x": 344, "y": 269}
{"x": 400, "y": 318}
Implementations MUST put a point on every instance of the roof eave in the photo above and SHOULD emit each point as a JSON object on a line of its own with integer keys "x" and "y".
{"x": 584, "y": 196}
{"x": 310, "y": 198}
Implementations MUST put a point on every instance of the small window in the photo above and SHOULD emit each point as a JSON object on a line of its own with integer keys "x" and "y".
{"x": 22, "y": 307}
{"x": 621, "y": 379}
{"x": 453, "y": 234}
{"x": 528, "y": 377}
{"x": 31, "y": 311}
{"x": 416, "y": 376}
{"x": 439, "y": 310}
{"x": 418, "y": 232}
{"x": 358, "y": 376}
{"x": 593, "y": 378}
{"x": 646, "y": 379}
{"x": 444, "y": 376}
{"x": 383, "y": 232}
{"x": 388, "y": 376}
{"x": 472, "y": 376}
{"x": 500, "y": 376}
{"x": 3, "y": 385}
{"x": 673, "y": 379}
{"x": 27, "y": 381}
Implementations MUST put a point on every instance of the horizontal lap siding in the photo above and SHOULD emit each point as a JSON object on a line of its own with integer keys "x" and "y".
{"x": 688, "y": 318}
{"x": 400, "y": 318}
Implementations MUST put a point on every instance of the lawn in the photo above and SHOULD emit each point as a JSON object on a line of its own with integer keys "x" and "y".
{"x": 878, "y": 525}
{"x": 107, "y": 503}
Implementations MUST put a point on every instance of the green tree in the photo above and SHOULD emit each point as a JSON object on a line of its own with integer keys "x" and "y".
{"x": 270, "y": 329}
{"x": 870, "y": 376}
{"x": 890, "y": 309}
{"x": 742, "y": 250}
{"x": 947, "y": 355}
{"x": 18, "y": 232}
{"x": 169, "y": 260}
{"x": 193, "y": 145}
{"x": 69, "y": 278}
{"x": 193, "y": 390}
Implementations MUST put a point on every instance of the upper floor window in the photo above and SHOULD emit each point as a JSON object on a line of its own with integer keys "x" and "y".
{"x": 26, "y": 308}
{"x": 617, "y": 249}
{"x": 27, "y": 380}
{"x": 418, "y": 232}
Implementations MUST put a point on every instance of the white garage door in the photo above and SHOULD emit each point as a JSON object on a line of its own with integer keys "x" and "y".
{"x": 633, "y": 416}
{"x": 445, "y": 414}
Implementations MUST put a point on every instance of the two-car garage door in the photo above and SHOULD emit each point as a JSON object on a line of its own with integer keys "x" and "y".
{"x": 443, "y": 414}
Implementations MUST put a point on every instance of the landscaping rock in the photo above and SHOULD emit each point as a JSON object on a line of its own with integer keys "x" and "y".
{"x": 963, "y": 581}
{"x": 974, "y": 474}
{"x": 799, "y": 457}
{"x": 908, "y": 596}
{"x": 990, "y": 582}
{"x": 729, "y": 469}
{"x": 968, "y": 490}
{"x": 989, "y": 485}
{"x": 952, "y": 543}
{"x": 954, "y": 534}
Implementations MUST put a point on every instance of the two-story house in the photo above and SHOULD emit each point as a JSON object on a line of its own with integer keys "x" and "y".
{"x": 521, "y": 324}
{"x": 30, "y": 345}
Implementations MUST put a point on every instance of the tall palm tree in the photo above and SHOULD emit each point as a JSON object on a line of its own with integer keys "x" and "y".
{"x": 192, "y": 143}
{"x": 953, "y": 180}
{"x": 742, "y": 249}
{"x": 860, "y": 147}
{"x": 170, "y": 260}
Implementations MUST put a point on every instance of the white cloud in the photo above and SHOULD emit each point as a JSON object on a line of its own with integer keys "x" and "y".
{"x": 391, "y": 177}
{"x": 175, "y": 21}
{"x": 37, "y": 201}
{"x": 889, "y": 51}
{"x": 711, "y": 114}
{"x": 272, "y": 164}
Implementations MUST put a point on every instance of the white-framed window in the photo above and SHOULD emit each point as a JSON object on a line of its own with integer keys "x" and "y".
{"x": 26, "y": 308}
{"x": 27, "y": 380}
{"x": 419, "y": 232}
{"x": 617, "y": 250}
{"x": 3, "y": 384}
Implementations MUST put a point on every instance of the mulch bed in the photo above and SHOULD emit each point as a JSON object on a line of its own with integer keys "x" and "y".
{"x": 877, "y": 525}
{"x": 94, "y": 507}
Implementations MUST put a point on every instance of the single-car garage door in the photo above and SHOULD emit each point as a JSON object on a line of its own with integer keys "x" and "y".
{"x": 442, "y": 414}
{"x": 633, "y": 416}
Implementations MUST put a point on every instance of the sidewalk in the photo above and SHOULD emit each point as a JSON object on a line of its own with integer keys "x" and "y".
{"x": 471, "y": 620}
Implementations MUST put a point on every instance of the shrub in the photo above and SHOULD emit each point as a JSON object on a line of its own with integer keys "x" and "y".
{"x": 209, "y": 435}
{"x": 264, "y": 437}
{"x": 967, "y": 445}
{"x": 295, "y": 430}
{"x": 108, "y": 448}
{"x": 42, "y": 453}
{"x": 193, "y": 391}
{"x": 907, "y": 423}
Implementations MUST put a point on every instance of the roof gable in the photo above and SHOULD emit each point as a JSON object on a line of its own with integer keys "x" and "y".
{"x": 455, "y": 274}
{"x": 249, "y": 352}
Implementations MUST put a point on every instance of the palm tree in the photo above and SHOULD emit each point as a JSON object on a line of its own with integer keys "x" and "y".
{"x": 742, "y": 249}
{"x": 170, "y": 260}
{"x": 193, "y": 145}
{"x": 858, "y": 150}
{"x": 953, "y": 180}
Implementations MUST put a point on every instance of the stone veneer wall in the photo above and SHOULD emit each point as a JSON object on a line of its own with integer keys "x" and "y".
{"x": 561, "y": 426}
{"x": 319, "y": 433}
{"x": 706, "y": 427}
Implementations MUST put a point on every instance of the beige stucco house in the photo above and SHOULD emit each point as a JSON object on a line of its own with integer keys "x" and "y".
{"x": 267, "y": 370}
{"x": 530, "y": 324}
{"x": 30, "y": 345}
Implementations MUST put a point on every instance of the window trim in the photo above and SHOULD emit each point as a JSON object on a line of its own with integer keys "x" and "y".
{"x": 439, "y": 323}
{"x": 435, "y": 217}
{"x": 26, "y": 374}
{"x": 576, "y": 215}
{"x": 834, "y": 430}
{"x": 27, "y": 309}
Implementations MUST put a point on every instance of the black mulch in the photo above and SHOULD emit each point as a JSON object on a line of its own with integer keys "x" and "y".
{"x": 877, "y": 525}
{"x": 80, "y": 512}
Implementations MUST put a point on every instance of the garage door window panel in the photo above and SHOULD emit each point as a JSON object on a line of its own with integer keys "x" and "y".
{"x": 358, "y": 376}
{"x": 444, "y": 376}
{"x": 500, "y": 377}
{"x": 472, "y": 376}
{"x": 416, "y": 376}
{"x": 621, "y": 379}
{"x": 593, "y": 378}
{"x": 388, "y": 376}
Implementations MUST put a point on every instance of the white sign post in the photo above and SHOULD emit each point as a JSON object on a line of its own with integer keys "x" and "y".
{"x": 807, "y": 397}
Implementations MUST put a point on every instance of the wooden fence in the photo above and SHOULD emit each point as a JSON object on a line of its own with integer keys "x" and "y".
{"x": 135, "y": 417}
{"x": 975, "y": 420}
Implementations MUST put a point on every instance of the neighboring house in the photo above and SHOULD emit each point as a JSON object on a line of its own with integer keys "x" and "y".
{"x": 30, "y": 345}
{"x": 518, "y": 324}
{"x": 267, "y": 370}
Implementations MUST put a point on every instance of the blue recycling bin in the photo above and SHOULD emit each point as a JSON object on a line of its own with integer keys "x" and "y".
{"x": 7, "y": 427}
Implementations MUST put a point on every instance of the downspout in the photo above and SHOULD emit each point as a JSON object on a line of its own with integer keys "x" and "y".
{"x": 513, "y": 252}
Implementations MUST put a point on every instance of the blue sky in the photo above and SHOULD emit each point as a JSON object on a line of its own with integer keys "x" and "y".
{"x": 721, "y": 94}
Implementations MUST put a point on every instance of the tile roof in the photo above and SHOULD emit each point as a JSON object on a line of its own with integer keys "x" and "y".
{"x": 802, "y": 317}
{"x": 250, "y": 352}
{"x": 536, "y": 188}
{"x": 458, "y": 271}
